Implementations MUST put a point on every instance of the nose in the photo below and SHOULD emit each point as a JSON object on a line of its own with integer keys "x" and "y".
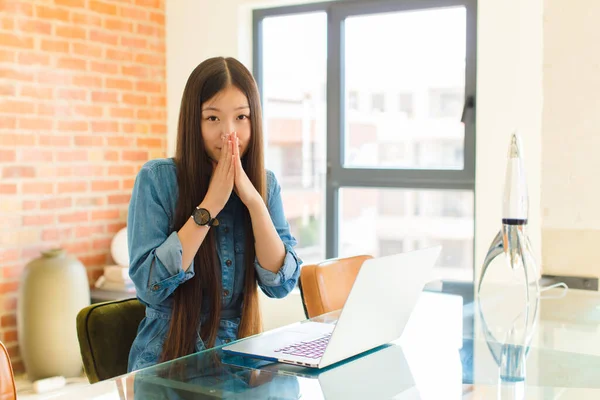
{"x": 228, "y": 127}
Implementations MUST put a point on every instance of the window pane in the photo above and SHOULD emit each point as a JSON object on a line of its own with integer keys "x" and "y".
{"x": 405, "y": 89}
{"x": 381, "y": 222}
{"x": 294, "y": 65}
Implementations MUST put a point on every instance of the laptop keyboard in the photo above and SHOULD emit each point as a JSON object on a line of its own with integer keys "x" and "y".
{"x": 309, "y": 349}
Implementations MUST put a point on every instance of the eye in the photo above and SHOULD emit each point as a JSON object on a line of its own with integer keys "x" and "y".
{"x": 243, "y": 117}
{"x": 212, "y": 118}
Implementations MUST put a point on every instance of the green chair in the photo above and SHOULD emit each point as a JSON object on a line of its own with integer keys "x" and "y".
{"x": 105, "y": 332}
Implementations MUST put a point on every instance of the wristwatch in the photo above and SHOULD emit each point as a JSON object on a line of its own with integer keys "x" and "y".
{"x": 202, "y": 217}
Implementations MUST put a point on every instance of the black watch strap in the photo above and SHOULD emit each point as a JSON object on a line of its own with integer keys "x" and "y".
{"x": 202, "y": 217}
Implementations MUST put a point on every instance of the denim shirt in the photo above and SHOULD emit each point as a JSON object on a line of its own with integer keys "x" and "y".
{"x": 155, "y": 254}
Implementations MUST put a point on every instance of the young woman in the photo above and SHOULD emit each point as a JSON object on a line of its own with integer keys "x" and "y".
{"x": 207, "y": 227}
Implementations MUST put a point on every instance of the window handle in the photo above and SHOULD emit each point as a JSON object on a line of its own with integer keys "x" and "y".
{"x": 468, "y": 108}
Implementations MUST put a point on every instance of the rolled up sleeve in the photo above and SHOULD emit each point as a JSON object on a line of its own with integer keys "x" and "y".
{"x": 279, "y": 284}
{"x": 155, "y": 252}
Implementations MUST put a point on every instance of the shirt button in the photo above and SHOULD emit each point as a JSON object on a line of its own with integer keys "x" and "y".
{"x": 155, "y": 287}
{"x": 226, "y": 292}
{"x": 227, "y": 340}
{"x": 226, "y": 230}
{"x": 228, "y": 262}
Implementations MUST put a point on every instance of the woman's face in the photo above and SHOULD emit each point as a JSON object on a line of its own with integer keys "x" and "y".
{"x": 226, "y": 112}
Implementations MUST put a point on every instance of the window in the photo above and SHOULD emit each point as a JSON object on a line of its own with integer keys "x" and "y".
{"x": 397, "y": 175}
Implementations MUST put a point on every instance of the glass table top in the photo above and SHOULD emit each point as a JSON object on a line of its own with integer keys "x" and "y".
{"x": 452, "y": 348}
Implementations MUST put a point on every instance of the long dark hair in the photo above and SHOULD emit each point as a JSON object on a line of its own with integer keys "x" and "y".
{"x": 193, "y": 177}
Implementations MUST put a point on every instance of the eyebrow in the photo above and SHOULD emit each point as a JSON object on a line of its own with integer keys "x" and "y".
{"x": 216, "y": 109}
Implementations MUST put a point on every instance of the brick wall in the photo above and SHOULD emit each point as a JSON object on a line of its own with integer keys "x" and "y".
{"x": 82, "y": 107}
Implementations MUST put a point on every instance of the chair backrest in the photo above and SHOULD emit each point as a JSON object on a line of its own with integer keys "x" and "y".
{"x": 8, "y": 390}
{"x": 106, "y": 332}
{"x": 324, "y": 287}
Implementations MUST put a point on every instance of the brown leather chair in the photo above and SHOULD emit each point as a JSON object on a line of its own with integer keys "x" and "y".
{"x": 324, "y": 287}
{"x": 8, "y": 390}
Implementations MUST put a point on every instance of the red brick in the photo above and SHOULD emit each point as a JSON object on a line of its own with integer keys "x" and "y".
{"x": 71, "y": 156}
{"x": 133, "y": 42}
{"x": 55, "y": 110}
{"x": 91, "y": 202}
{"x": 149, "y": 142}
{"x": 73, "y": 126}
{"x": 104, "y": 97}
{"x": 111, "y": 155}
{"x": 8, "y": 188}
{"x": 87, "y": 50}
{"x": 37, "y": 156}
{"x": 148, "y": 3}
{"x": 72, "y": 63}
{"x": 70, "y": 32}
{"x": 7, "y": 56}
{"x": 121, "y": 170}
{"x": 18, "y": 107}
{"x": 158, "y": 18}
{"x": 158, "y": 128}
{"x": 135, "y": 99}
{"x": 151, "y": 114}
{"x": 57, "y": 234}
{"x": 18, "y": 41}
{"x": 134, "y": 70}
{"x": 89, "y": 140}
{"x": 103, "y": 7}
{"x": 38, "y": 220}
{"x": 135, "y": 155}
{"x": 104, "y": 68}
{"x": 30, "y": 59}
{"x": 9, "y": 320}
{"x": 105, "y": 215}
{"x": 123, "y": 84}
{"x": 10, "y": 303}
{"x": 55, "y": 140}
{"x": 52, "y": 13}
{"x": 120, "y": 141}
{"x": 78, "y": 247}
{"x": 133, "y": 13}
{"x": 32, "y": 124}
{"x": 61, "y": 46}
{"x": 157, "y": 46}
{"x": 148, "y": 86}
{"x": 86, "y": 18}
{"x": 158, "y": 101}
{"x": 14, "y": 74}
{"x": 10, "y": 336}
{"x": 29, "y": 205}
{"x": 70, "y": 3}
{"x": 88, "y": 111}
{"x": 72, "y": 187}
{"x": 38, "y": 188}
{"x": 103, "y": 37}
{"x": 104, "y": 126}
{"x": 87, "y": 231}
{"x": 9, "y": 256}
{"x": 122, "y": 113}
{"x": 17, "y": 8}
{"x": 7, "y": 122}
{"x": 103, "y": 186}
{"x": 119, "y": 199}
{"x": 8, "y": 139}
{"x": 79, "y": 216}
{"x": 55, "y": 203}
{"x": 116, "y": 24}
{"x": 89, "y": 170}
{"x": 56, "y": 78}
{"x": 7, "y": 24}
{"x": 73, "y": 94}
{"x": 149, "y": 30}
{"x": 102, "y": 244}
{"x": 37, "y": 92}
{"x": 35, "y": 26}
{"x": 7, "y": 156}
{"x": 18, "y": 172}
{"x": 114, "y": 228}
{"x": 87, "y": 81}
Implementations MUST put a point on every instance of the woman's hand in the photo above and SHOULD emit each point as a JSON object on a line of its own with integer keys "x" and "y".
{"x": 243, "y": 186}
{"x": 222, "y": 179}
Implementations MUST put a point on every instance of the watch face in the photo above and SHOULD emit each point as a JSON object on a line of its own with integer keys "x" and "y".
{"x": 201, "y": 216}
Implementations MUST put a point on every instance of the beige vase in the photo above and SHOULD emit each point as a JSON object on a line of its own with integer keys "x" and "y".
{"x": 53, "y": 289}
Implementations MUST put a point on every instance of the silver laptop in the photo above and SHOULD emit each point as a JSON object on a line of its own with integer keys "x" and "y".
{"x": 378, "y": 307}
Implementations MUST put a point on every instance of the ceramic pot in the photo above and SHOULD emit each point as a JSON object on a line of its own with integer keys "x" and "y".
{"x": 53, "y": 289}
